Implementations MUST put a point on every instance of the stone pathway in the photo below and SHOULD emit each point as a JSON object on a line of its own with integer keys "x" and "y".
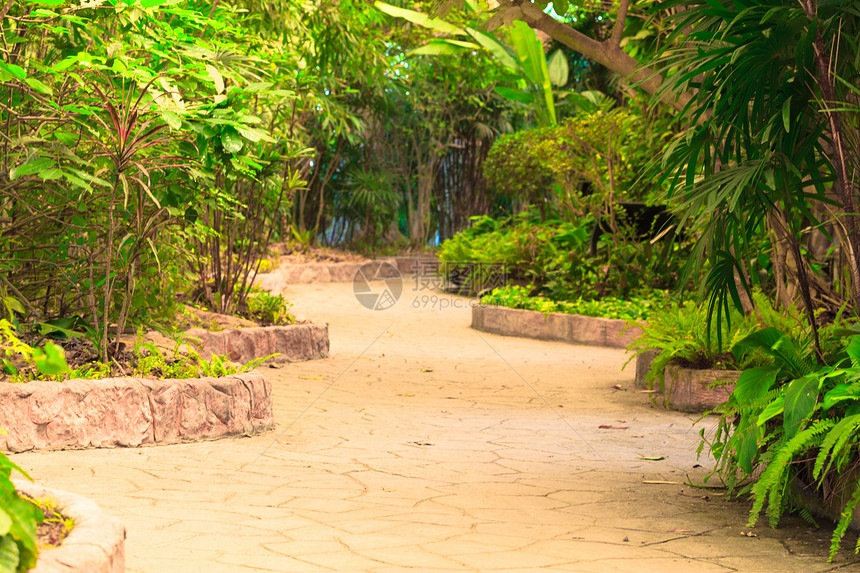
{"x": 422, "y": 445}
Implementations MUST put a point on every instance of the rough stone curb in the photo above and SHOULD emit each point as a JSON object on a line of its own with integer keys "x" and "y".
{"x": 96, "y": 544}
{"x": 293, "y": 343}
{"x": 285, "y": 275}
{"x": 572, "y": 328}
{"x": 688, "y": 390}
{"x": 131, "y": 411}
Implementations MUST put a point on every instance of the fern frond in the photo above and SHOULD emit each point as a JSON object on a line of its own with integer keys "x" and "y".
{"x": 844, "y": 522}
{"x": 807, "y": 517}
{"x": 835, "y": 442}
{"x": 772, "y": 483}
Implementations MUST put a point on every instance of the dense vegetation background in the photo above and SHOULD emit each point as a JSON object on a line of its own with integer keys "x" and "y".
{"x": 153, "y": 151}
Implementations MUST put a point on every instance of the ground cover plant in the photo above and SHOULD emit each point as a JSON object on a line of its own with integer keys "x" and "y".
{"x": 633, "y": 308}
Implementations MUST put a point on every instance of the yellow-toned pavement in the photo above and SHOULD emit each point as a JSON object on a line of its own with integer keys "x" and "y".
{"x": 422, "y": 445}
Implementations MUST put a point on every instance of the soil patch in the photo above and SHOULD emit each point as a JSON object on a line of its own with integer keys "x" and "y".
{"x": 55, "y": 527}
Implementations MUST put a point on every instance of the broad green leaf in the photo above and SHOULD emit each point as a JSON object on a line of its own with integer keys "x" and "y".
{"x": 800, "y": 398}
{"x": 438, "y": 48}
{"x": 51, "y": 359}
{"x": 48, "y": 2}
{"x": 152, "y": 3}
{"x": 50, "y": 174}
{"x": 772, "y": 410}
{"x": 65, "y": 64}
{"x": 747, "y": 446}
{"x": 13, "y": 305}
{"x": 231, "y": 141}
{"x": 516, "y": 95}
{"x": 39, "y": 86}
{"x": 34, "y": 166}
{"x": 253, "y": 134}
{"x": 529, "y": 49}
{"x": 786, "y": 115}
{"x": 558, "y": 68}
{"x": 754, "y": 383}
{"x": 419, "y": 18}
{"x": 14, "y": 70}
{"x": 778, "y": 345}
{"x": 500, "y": 51}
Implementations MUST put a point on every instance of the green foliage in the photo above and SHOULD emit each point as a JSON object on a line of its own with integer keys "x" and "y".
{"x": 683, "y": 335}
{"x": 796, "y": 419}
{"x": 634, "y": 308}
{"x": 604, "y": 149}
{"x": 22, "y": 362}
{"x": 267, "y": 308}
{"x": 756, "y": 164}
{"x": 554, "y": 257}
{"x": 19, "y": 548}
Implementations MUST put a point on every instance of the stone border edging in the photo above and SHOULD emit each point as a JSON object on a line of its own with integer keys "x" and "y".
{"x": 284, "y": 275}
{"x": 691, "y": 390}
{"x": 96, "y": 544}
{"x": 131, "y": 411}
{"x": 572, "y": 328}
{"x": 294, "y": 342}
{"x": 688, "y": 389}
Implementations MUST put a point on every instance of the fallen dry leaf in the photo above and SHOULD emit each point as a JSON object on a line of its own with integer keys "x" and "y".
{"x": 617, "y": 387}
{"x": 609, "y": 427}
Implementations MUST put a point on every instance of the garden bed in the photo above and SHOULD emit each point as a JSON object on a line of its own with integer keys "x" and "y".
{"x": 688, "y": 389}
{"x": 131, "y": 411}
{"x": 332, "y": 272}
{"x": 292, "y": 343}
{"x": 96, "y": 544}
{"x": 572, "y": 328}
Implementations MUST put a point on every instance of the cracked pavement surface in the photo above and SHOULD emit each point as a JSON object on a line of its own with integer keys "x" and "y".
{"x": 422, "y": 445}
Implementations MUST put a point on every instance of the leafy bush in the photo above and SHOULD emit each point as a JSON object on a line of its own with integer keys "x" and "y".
{"x": 22, "y": 362}
{"x": 267, "y": 308}
{"x": 604, "y": 150}
{"x": 682, "y": 335}
{"x": 792, "y": 423}
{"x": 635, "y": 308}
{"x": 554, "y": 257}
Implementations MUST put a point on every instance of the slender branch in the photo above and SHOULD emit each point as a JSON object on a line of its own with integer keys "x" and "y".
{"x": 620, "y": 19}
{"x": 604, "y": 53}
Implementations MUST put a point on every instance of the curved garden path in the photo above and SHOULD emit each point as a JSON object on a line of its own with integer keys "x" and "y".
{"x": 422, "y": 445}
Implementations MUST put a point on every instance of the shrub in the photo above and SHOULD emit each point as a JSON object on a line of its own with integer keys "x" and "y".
{"x": 791, "y": 423}
{"x": 635, "y": 308}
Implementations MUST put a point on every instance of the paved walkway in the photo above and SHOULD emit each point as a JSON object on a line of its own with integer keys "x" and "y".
{"x": 422, "y": 445}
